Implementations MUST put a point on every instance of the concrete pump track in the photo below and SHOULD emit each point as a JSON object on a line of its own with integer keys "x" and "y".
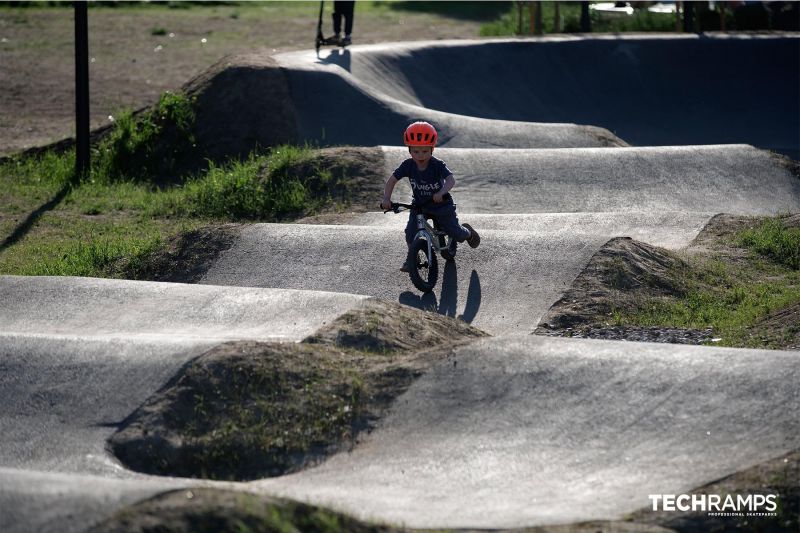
{"x": 526, "y": 430}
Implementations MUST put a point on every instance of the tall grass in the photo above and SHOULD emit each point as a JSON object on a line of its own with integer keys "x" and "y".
{"x": 155, "y": 145}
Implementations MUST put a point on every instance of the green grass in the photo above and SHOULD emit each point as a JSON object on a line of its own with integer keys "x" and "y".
{"x": 732, "y": 297}
{"x": 101, "y": 226}
{"x": 140, "y": 193}
{"x": 773, "y": 240}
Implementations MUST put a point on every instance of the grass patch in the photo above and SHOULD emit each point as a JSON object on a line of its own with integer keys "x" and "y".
{"x": 774, "y": 240}
{"x": 157, "y": 145}
{"x": 751, "y": 276}
{"x": 739, "y": 280}
{"x": 145, "y": 190}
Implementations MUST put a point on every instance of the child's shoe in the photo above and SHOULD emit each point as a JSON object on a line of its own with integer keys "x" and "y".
{"x": 334, "y": 39}
{"x": 346, "y": 41}
{"x": 406, "y": 265}
{"x": 474, "y": 239}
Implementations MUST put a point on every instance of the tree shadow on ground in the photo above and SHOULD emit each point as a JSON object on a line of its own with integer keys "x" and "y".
{"x": 21, "y": 230}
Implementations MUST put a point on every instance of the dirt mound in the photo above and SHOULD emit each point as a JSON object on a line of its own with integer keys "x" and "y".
{"x": 341, "y": 178}
{"x": 620, "y": 273}
{"x": 247, "y": 410}
{"x": 634, "y": 291}
{"x": 382, "y": 326}
{"x": 185, "y": 258}
{"x": 202, "y": 510}
{"x": 242, "y": 102}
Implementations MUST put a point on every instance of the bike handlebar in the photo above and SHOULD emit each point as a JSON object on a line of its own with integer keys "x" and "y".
{"x": 396, "y": 207}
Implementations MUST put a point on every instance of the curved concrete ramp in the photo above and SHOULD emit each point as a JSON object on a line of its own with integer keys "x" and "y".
{"x": 79, "y": 355}
{"x": 529, "y": 431}
{"x": 69, "y": 503}
{"x": 737, "y": 179}
{"x": 504, "y": 286}
{"x": 649, "y": 90}
{"x": 334, "y": 108}
{"x": 152, "y": 311}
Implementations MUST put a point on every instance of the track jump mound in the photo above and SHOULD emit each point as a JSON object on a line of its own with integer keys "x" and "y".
{"x": 241, "y": 103}
{"x": 247, "y": 410}
{"x": 649, "y": 90}
{"x": 637, "y": 284}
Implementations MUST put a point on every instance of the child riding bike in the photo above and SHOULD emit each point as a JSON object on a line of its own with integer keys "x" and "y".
{"x": 431, "y": 182}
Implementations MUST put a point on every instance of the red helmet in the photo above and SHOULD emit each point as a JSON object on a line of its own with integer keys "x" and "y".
{"x": 420, "y": 134}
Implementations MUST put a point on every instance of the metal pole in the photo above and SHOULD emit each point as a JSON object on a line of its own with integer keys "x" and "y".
{"x": 81, "y": 89}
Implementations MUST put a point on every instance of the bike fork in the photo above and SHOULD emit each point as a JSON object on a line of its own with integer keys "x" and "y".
{"x": 422, "y": 233}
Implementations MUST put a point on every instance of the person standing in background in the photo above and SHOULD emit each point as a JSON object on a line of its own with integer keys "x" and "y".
{"x": 341, "y": 9}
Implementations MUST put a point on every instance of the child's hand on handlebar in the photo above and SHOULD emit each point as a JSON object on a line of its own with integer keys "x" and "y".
{"x": 438, "y": 198}
{"x": 386, "y": 205}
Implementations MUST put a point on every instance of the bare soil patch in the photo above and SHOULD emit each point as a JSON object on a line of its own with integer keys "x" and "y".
{"x": 248, "y": 410}
{"x": 138, "y": 51}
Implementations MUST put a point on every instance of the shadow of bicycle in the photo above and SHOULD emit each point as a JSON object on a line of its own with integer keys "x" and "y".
{"x": 447, "y": 303}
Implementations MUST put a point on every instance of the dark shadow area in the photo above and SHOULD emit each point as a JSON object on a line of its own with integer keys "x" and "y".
{"x": 23, "y": 229}
{"x": 478, "y": 11}
{"x": 649, "y": 91}
{"x": 447, "y": 303}
{"x": 337, "y": 56}
{"x": 473, "y": 299}
{"x": 449, "y": 297}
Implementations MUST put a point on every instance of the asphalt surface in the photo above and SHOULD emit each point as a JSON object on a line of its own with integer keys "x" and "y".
{"x": 648, "y": 90}
{"x": 511, "y": 431}
{"x": 517, "y": 431}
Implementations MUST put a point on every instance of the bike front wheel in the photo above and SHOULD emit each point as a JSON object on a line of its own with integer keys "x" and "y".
{"x": 424, "y": 270}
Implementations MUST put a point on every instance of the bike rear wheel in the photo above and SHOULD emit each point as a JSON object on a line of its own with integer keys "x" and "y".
{"x": 424, "y": 271}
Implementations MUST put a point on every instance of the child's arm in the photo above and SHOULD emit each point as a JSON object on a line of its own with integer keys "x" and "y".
{"x": 387, "y": 192}
{"x": 449, "y": 183}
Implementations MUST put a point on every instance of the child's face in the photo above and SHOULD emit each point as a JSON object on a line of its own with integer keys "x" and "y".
{"x": 420, "y": 154}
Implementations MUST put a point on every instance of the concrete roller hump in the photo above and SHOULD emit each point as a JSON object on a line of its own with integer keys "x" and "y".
{"x": 648, "y": 90}
{"x": 736, "y": 179}
{"x": 503, "y": 287}
{"x": 122, "y": 309}
{"x": 527, "y": 431}
{"x": 78, "y": 355}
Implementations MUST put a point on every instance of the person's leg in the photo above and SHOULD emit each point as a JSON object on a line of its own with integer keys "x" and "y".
{"x": 448, "y": 221}
{"x": 347, "y": 9}
{"x": 337, "y": 18}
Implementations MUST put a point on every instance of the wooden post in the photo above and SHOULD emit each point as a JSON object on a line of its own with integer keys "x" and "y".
{"x": 519, "y": 17}
{"x": 678, "y": 16}
{"x": 82, "y": 162}
{"x": 721, "y": 16}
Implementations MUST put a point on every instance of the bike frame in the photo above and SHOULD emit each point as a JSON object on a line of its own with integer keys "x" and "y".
{"x": 425, "y": 229}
